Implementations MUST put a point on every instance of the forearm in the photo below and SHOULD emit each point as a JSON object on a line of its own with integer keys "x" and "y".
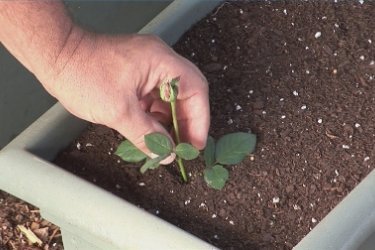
{"x": 39, "y": 34}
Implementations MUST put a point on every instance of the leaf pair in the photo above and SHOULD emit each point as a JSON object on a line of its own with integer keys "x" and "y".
{"x": 230, "y": 149}
{"x": 158, "y": 144}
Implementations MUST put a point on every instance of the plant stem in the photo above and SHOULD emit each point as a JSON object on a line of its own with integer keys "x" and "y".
{"x": 177, "y": 133}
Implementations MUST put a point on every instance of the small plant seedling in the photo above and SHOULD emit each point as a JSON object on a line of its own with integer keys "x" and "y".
{"x": 229, "y": 149}
{"x": 158, "y": 143}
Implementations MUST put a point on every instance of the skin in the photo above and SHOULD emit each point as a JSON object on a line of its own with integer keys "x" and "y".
{"x": 106, "y": 79}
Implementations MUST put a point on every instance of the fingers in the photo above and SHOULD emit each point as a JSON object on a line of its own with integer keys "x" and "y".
{"x": 136, "y": 124}
{"x": 194, "y": 120}
{"x": 193, "y": 112}
{"x": 157, "y": 108}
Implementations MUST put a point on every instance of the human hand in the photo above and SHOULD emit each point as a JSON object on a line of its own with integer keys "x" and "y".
{"x": 114, "y": 80}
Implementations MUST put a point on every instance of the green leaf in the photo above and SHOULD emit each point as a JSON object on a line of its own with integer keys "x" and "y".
{"x": 232, "y": 148}
{"x": 152, "y": 163}
{"x": 209, "y": 152}
{"x": 216, "y": 176}
{"x": 187, "y": 151}
{"x": 130, "y": 153}
{"x": 158, "y": 143}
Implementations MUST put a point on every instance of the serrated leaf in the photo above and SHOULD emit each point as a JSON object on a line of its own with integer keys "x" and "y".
{"x": 130, "y": 153}
{"x": 209, "y": 152}
{"x": 216, "y": 176}
{"x": 158, "y": 143}
{"x": 187, "y": 151}
{"x": 152, "y": 163}
{"x": 232, "y": 148}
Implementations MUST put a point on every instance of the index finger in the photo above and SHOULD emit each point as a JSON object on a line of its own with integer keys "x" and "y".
{"x": 193, "y": 111}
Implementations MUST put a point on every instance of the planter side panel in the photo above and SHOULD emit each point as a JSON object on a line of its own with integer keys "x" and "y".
{"x": 349, "y": 224}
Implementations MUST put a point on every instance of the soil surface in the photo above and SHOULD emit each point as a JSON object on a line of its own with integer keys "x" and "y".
{"x": 299, "y": 76}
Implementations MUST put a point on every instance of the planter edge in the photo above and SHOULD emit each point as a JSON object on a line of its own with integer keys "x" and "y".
{"x": 349, "y": 224}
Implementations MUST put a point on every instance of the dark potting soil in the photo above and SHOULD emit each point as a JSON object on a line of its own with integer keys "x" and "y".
{"x": 300, "y": 76}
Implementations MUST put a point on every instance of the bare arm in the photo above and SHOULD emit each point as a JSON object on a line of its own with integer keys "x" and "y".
{"x": 38, "y": 33}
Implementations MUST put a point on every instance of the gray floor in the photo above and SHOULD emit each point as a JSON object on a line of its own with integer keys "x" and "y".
{"x": 22, "y": 99}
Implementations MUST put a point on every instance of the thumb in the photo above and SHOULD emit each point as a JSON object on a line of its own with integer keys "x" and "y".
{"x": 136, "y": 125}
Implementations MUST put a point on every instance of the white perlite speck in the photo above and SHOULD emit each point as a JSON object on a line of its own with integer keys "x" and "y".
{"x": 372, "y": 62}
{"x": 89, "y": 145}
{"x": 303, "y": 107}
{"x": 318, "y": 34}
{"x": 313, "y": 220}
{"x": 357, "y": 125}
{"x": 157, "y": 212}
{"x": 216, "y": 237}
{"x": 296, "y": 207}
{"x": 241, "y": 11}
{"x": 295, "y": 93}
{"x": 118, "y": 186}
{"x": 78, "y": 146}
{"x": 230, "y": 121}
{"x": 281, "y": 99}
{"x": 307, "y": 71}
{"x": 141, "y": 184}
{"x": 369, "y": 41}
{"x": 275, "y": 200}
{"x": 213, "y": 41}
{"x": 187, "y": 202}
{"x": 361, "y": 1}
{"x": 251, "y": 91}
{"x": 362, "y": 57}
{"x": 366, "y": 158}
{"x": 320, "y": 120}
{"x": 345, "y": 146}
{"x": 238, "y": 107}
{"x": 285, "y": 12}
{"x": 213, "y": 216}
{"x": 231, "y": 222}
{"x": 283, "y": 116}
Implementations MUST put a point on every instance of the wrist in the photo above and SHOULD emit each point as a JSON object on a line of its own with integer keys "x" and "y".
{"x": 53, "y": 66}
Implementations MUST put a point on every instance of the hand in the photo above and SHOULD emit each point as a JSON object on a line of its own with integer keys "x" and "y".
{"x": 114, "y": 80}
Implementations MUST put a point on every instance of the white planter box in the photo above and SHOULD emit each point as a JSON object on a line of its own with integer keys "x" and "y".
{"x": 90, "y": 217}
{"x": 350, "y": 225}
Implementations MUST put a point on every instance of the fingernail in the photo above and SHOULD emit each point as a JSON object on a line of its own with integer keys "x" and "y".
{"x": 169, "y": 159}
